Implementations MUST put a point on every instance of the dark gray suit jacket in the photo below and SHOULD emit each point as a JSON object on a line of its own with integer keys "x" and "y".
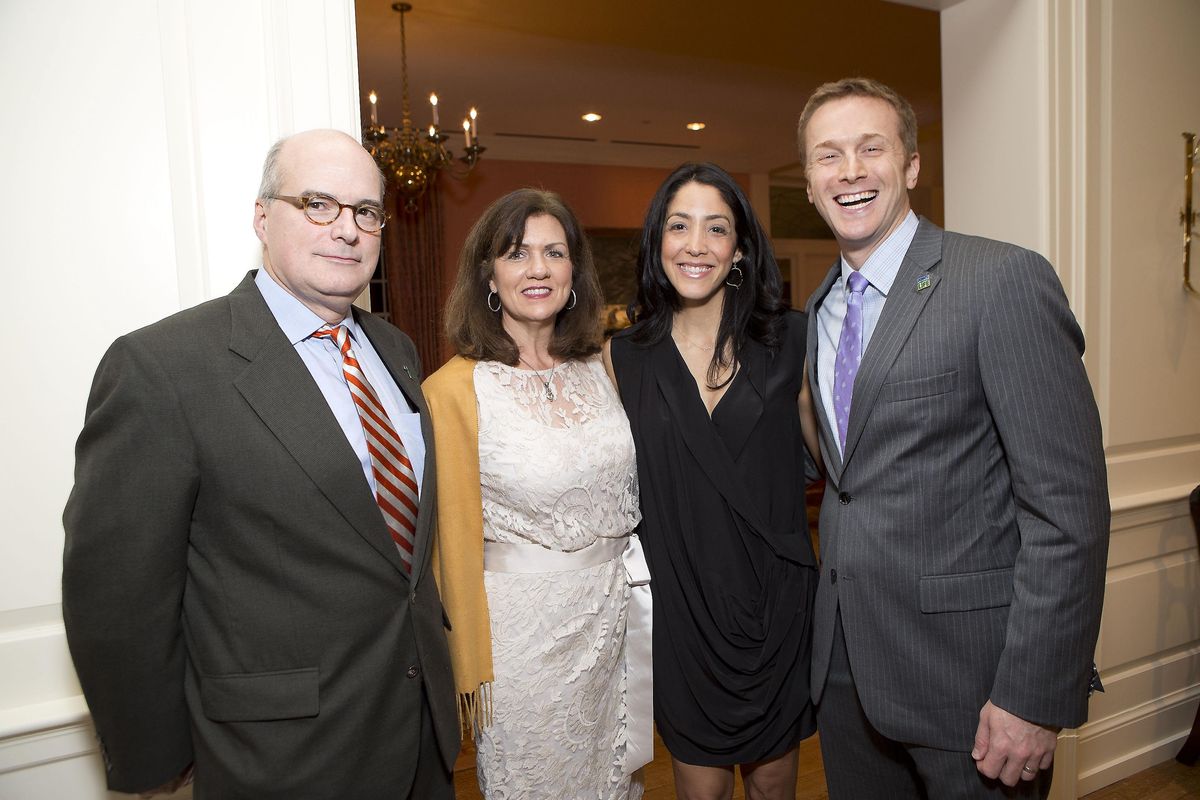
{"x": 964, "y": 534}
{"x": 231, "y": 594}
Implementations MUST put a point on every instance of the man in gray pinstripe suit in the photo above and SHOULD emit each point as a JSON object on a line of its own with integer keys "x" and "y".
{"x": 964, "y": 528}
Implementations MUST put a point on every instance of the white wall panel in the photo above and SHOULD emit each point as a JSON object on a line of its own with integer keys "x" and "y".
{"x": 88, "y": 246}
{"x": 1062, "y": 123}
{"x": 1150, "y": 608}
{"x": 134, "y": 137}
{"x": 994, "y": 121}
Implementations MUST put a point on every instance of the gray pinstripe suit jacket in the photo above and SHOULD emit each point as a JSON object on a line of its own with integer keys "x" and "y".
{"x": 964, "y": 533}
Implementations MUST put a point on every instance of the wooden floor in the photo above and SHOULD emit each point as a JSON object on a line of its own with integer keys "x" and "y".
{"x": 810, "y": 784}
{"x": 1167, "y": 781}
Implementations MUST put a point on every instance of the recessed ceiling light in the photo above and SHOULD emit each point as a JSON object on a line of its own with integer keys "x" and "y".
{"x": 591, "y": 116}
{"x": 695, "y": 126}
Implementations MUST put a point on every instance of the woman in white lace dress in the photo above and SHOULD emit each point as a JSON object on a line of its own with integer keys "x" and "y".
{"x": 545, "y": 589}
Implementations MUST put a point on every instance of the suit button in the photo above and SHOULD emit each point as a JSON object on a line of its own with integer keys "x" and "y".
{"x": 413, "y": 672}
{"x": 833, "y": 576}
{"x": 844, "y": 498}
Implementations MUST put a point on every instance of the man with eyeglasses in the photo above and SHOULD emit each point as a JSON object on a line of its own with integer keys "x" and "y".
{"x": 246, "y": 581}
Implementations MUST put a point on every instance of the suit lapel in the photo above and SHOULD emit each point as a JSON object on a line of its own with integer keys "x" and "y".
{"x": 678, "y": 389}
{"x": 903, "y": 307}
{"x": 825, "y": 428}
{"x": 281, "y": 391}
{"x": 407, "y": 374}
{"x": 404, "y": 371}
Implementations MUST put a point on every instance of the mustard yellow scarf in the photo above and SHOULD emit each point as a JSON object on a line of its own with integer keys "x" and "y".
{"x": 458, "y": 541}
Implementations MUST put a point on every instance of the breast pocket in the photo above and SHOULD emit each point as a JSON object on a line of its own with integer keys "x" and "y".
{"x": 917, "y": 388}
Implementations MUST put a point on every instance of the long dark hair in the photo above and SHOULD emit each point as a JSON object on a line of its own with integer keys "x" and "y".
{"x": 476, "y": 331}
{"x": 752, "y": 310}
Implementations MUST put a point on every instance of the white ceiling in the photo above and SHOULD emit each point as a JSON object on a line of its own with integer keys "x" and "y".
{"x": 533, "y": 67}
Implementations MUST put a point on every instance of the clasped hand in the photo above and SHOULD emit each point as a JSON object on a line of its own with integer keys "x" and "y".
{"x": 1009, "y": 748}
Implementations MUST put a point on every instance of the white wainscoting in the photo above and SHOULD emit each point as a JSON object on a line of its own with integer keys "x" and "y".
{"x": 47, "y": 745}
{"x": 1149, "y": 649}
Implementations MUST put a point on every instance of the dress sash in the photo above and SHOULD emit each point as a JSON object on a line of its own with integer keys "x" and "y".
{"x": 639, "y": 676}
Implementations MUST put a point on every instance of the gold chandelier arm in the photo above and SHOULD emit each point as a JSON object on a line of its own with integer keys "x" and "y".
{"x": 403, "y": 8}
{"x": 410, "y": 159}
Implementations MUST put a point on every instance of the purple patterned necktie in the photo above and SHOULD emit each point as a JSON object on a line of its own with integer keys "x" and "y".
{"x": 849, "y": 353}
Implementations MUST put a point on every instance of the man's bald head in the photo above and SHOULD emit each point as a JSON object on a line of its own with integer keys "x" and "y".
{"x": 321, "y": 138}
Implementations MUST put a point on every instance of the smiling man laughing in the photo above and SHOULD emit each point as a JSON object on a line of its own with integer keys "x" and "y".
{"x": 965, "y": 522}
{"x": 860, "y": 165}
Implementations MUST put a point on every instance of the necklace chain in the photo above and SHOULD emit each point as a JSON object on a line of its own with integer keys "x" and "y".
{"x": 688, "y": 339}
{"x": 546, "y": 381}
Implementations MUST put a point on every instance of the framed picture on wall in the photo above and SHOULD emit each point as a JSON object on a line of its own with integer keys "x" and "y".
{"x": 615, "y": 251}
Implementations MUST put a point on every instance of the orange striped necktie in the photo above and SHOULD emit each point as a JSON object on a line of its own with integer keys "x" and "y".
{"x": 395, "y": 483}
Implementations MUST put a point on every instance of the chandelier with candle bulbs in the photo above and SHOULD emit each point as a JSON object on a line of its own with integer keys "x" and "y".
{"x": 411, "y": 160}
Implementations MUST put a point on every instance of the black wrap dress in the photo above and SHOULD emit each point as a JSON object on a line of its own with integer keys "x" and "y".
{"x": 726, "y": 538}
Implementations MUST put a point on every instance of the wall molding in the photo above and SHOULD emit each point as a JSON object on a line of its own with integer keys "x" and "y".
{"x": 1149, "y": 648}
{"x": 44, "y": 719}
{"x": 1135, "y": 740}
{"x": 1150, "y": 473}
{"x": 1141, "y": 510}
{"x": 69, "y": 739}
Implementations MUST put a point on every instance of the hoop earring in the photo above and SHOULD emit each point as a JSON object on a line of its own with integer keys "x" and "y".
{"x": 741, "y": 277}
{"x": 489, "y": 302}
{"x": 574, "y": 300}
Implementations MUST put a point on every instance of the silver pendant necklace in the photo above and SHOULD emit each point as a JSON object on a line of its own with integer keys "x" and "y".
{"x": 546, "y": 381}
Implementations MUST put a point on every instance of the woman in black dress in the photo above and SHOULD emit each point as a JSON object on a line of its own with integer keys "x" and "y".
{"x": 711, "y": 376}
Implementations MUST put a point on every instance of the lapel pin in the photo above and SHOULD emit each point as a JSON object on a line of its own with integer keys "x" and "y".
{"x": 406, "y": 372}
{"x": 923, "y": 283}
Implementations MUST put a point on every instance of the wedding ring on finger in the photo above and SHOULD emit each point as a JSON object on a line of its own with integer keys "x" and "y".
{"x": 1028, "y": 770}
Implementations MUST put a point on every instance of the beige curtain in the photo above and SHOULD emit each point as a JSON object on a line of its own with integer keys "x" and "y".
{"x": 413, "y": 271}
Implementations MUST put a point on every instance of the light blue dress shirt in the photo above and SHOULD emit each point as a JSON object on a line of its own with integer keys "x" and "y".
{"x": 324, "y": 362}
{"x": 880, "y": 269}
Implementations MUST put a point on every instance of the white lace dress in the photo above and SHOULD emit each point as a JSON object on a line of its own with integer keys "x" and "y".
{"x": 559, "y": 474}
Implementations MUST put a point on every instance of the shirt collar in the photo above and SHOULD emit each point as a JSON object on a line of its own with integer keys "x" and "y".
{"x": 882, "y": 266}
{"x": 297, "y": 320}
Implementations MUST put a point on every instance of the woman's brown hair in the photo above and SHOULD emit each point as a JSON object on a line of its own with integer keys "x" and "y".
{"x": 474, "y": 329}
